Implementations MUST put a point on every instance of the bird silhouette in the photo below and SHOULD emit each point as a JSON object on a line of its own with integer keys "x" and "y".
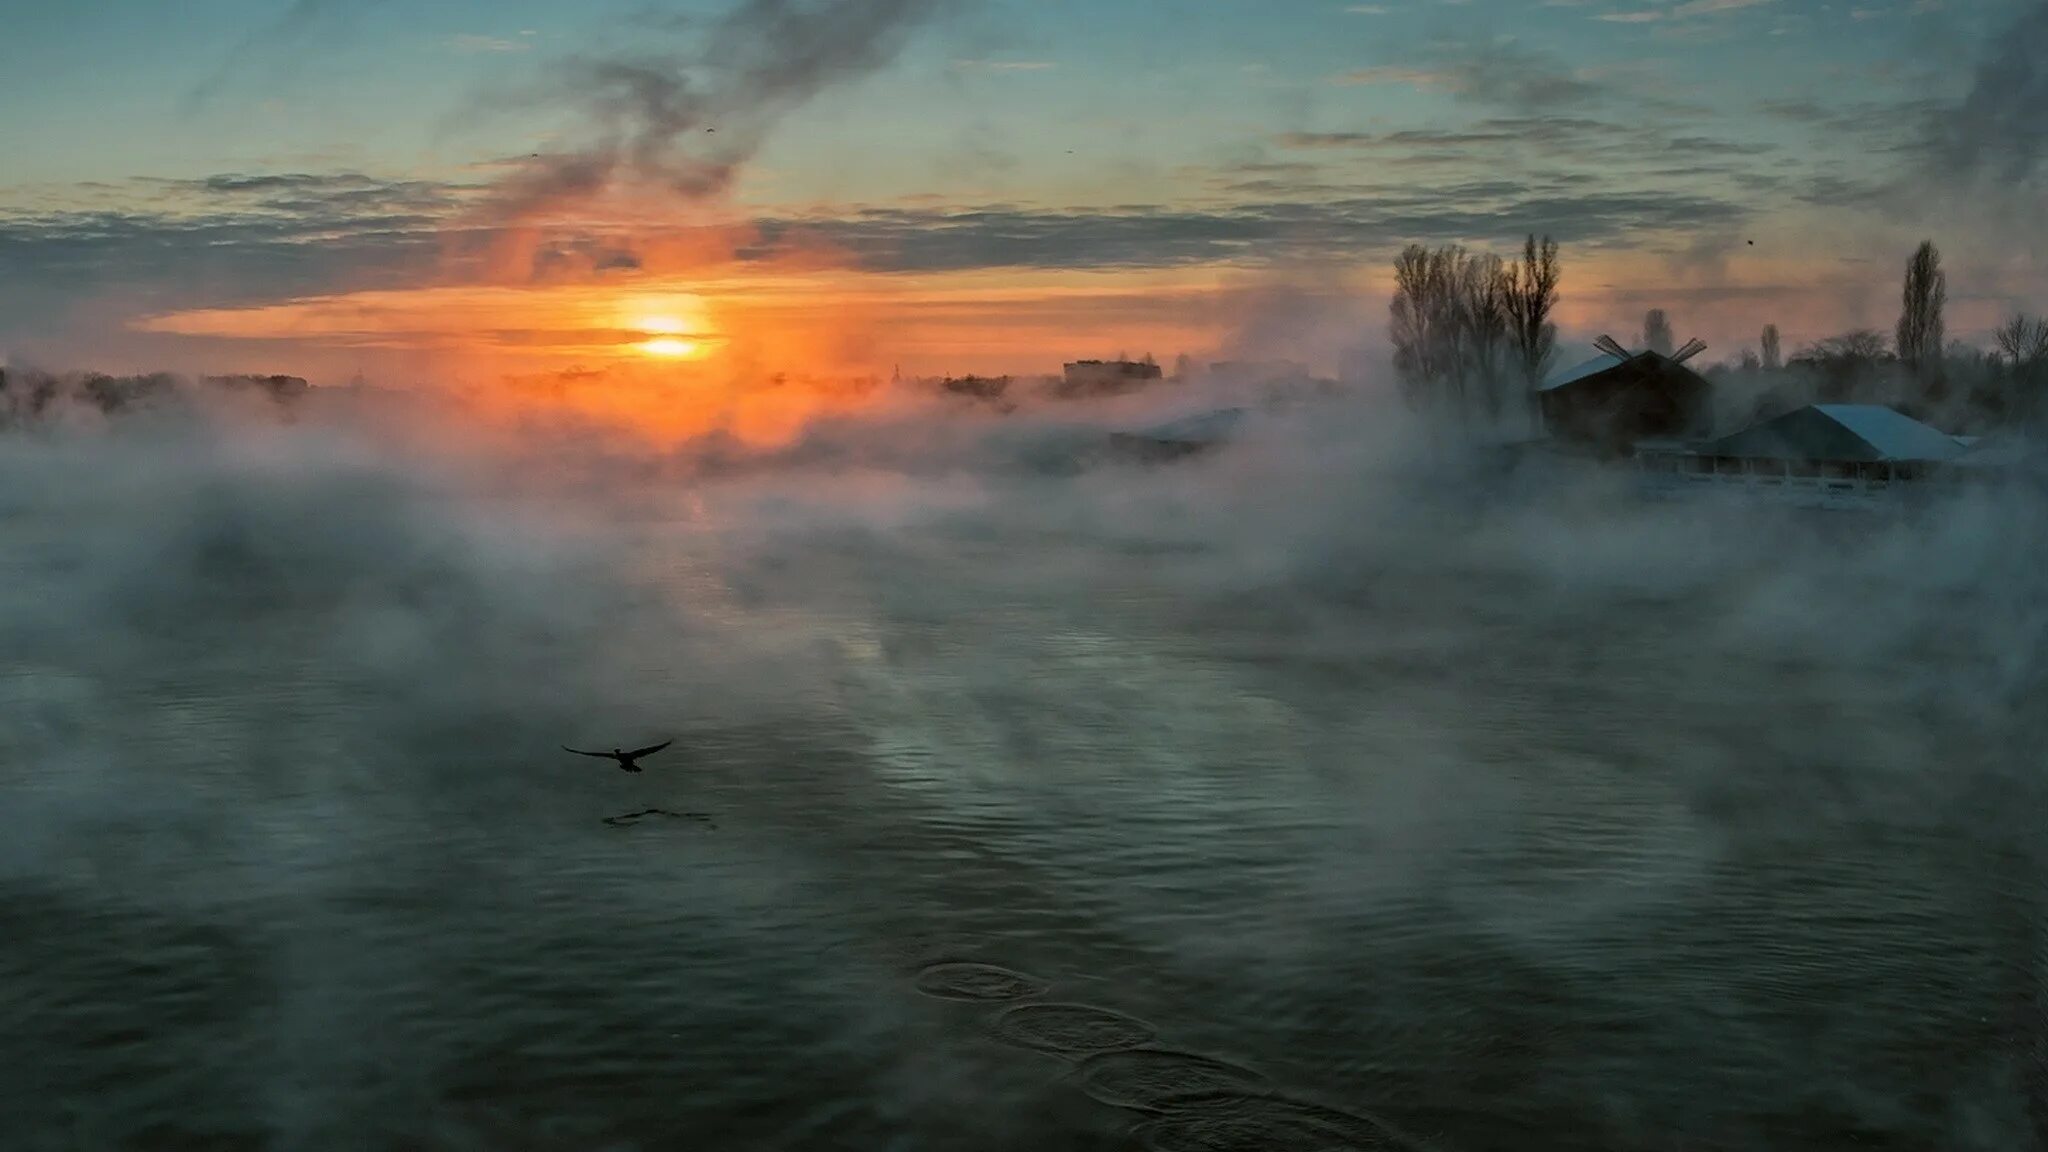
{"x": 627, "y": 760}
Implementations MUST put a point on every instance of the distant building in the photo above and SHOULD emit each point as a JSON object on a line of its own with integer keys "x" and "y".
{"x": 1608, "y": 403}
{"x": 1860, "y": 433}
{"x": 1107, "y": 377}
{"x": 1177, "y": 438}
{"x": 1822, "y": 453}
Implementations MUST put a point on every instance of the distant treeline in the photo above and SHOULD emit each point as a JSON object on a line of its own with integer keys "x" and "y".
{"x": 1965, "y": 389}
{"x": 28, "y": 395}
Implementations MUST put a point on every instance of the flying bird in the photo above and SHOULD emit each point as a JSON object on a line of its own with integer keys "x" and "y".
{"x": 626, "y": 759}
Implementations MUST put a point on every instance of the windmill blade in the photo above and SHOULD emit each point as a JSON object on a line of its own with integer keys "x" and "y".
{"x": 1608, "y": 345}
{"x": 1693, "y": 347}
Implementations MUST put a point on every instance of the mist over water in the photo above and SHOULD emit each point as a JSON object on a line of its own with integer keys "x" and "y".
{"x": 1495, "y": 805}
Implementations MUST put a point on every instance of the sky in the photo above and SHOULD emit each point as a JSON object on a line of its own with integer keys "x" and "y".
{"x": 447, "y": 187}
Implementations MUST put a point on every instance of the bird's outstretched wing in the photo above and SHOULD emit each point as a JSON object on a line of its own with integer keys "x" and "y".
{"x": 581, "y": 752}
{"x": 648, "y": 751}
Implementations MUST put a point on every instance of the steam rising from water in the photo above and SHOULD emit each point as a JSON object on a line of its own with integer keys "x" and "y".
{"x": 1485, "y": 803}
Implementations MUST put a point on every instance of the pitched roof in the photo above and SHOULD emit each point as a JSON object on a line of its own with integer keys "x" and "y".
{"x": 1578, "y": 372}
{"x": 1201, "y": 428}
{"x": 1663, "y": 367}
{"x": 1840, "y": 432}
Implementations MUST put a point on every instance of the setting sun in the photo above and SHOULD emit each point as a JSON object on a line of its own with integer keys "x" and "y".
{"x": 669, "y": 347}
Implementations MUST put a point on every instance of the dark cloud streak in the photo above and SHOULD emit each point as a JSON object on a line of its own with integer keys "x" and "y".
{"x": 291, "y": 30}
{"x": 1997, "y": 130}
{"x": 289, "y": 236}
{"x": 687, "y": 120}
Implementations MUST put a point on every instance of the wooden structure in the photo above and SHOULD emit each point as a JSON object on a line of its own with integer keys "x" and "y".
{"x": 1608, "y": 403}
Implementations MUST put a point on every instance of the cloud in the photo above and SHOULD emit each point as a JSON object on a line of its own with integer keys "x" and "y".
{"x": 1706, "y": 7}
{"x": 1394, "y": 74}
{"x": 301, "y": 23}
{"x": 1996, "y": 131}
{"x": 225, "y": 238}
{"x": 1007, "y": 65}
{"x": 471, "y": 43}
{"x": 1683, "y": 11}
{"x": 683, "y": 120}
{"x": 1155, "y": 236}
{"x": 1621, "y": 150}
{"x": 1498, "y": 73}
{"x": 235, "y": 240}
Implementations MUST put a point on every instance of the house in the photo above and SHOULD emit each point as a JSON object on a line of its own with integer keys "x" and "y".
{"x": 1608, "y": 403}
{"x": 1830, "y": 452}
{"x": 1177, "y": 438}
{"x": 1840, "y": 433}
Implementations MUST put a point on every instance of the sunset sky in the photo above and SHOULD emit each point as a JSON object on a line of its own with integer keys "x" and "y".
{"x": 333, "y": 187}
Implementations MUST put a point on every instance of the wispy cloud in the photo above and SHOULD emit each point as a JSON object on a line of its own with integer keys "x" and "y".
{"x": 1007, "y": 65}
{"x": 1687, "y": 10}
{"x": 1997, "y": 129}
{"x": 469, "y": 43}
{"x": 1499, "y": 73}
{"x": 240, "y": 239}
{"x": 684, "y": 118}
{"x": 300, "y": 23}
{"x": 1395, "y": 74}
{"x": 1706, "y": 7}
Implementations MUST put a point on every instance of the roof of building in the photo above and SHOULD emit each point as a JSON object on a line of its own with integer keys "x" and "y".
{"x": 1605, "y": 362}
{"x": 1578, "y": 372}
{"x": 1840, "y": 432}
{"x": 1202, "y": 428}
{"x": 1998, "y": 451}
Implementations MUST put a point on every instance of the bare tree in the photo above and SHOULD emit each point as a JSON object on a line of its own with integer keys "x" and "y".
{"x": 1483, "y": 288}
{"x": 1773, "y": 351}
{"x": 2023, "y": 340}
{"x": 1532, "y": 293}
{"x": 1845, "y": 366}
{"x": 1749, "y": 362}
{"x": 1864, "y": 345}
{"x": 1657, "y": 332}
{"x": 1449, "y": 322}
{"x": 1413, "y": 322}
{"x": 1427, "y": 324}
{"x": 1920, "y": 323}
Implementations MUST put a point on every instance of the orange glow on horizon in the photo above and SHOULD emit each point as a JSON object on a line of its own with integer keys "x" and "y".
{"x": 670, "y": 348}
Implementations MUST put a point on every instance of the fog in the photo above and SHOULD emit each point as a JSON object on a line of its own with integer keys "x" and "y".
{"x": 1486, "y": 800}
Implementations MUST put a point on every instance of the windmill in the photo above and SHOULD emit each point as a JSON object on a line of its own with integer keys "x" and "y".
{"x": 1612, "y": 347}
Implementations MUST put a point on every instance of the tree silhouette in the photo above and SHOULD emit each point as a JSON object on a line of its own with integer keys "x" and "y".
{"x": 1531, "y": 294}
{"x": 1920, "y": 323}
{"x": 1773, "y": 351}
{"x": 1483, "y": 288}
{"x": 2023, "y": 340}
{"x": 1449, "y": 323}
{"x": 1657, "y": 332}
